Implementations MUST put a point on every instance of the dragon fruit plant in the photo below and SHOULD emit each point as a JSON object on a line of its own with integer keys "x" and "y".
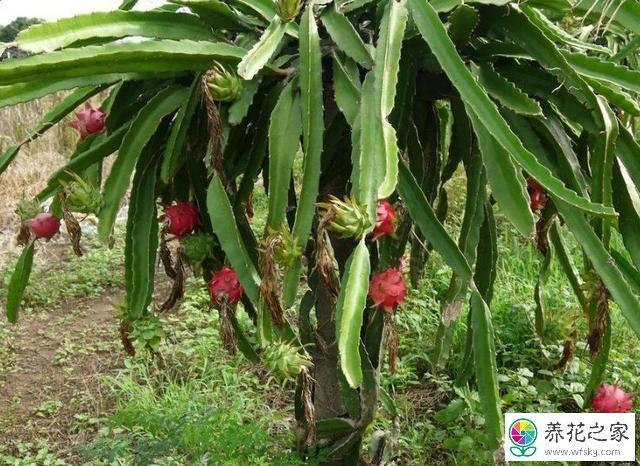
{"x": 383, "y": 101}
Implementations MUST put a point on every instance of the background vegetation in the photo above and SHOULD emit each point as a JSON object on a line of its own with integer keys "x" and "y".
{"x": 9, "y": 32}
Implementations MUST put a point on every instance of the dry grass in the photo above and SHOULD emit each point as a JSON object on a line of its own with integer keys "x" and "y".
{"x": 29, "y": 172}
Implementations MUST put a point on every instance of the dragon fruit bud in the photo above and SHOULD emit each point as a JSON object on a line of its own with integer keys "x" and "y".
{"x": 224, "y": 287}
{"x": 288, "y": 9}
{"x": 197, "y": 247}
{"x": 285, "y": 360}
{"x": 181, "y": 218}
{"x": 386, "y": 219}
{"x": 388, "y": 289}
{"x": 44, "y": 225}
{"x": 89, "y": 121}
{"x": 537, "y": 195}
{"x": 612, "y": 399}
{"x": 349, "y": 217}
{"x": 224, "y": 84}
{"x": 289, "y": 252}
{"x": 81, "y": 196}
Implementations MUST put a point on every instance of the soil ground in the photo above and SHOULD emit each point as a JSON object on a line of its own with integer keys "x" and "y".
{"x": 54, "y": 385}
{"x": 53, "y": 361}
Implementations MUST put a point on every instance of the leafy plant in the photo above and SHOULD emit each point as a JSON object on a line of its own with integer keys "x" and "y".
{"x": 382, "y": 101}
{"x": 9, "y": 32}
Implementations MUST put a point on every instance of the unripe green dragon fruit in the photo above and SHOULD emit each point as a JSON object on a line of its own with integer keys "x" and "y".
{"x": 82, "y": 197}
{"x": 223, "y": 83}
{"x": 348, "y": 218}
{"x": 283, "y": 245}
{"x": 285, "y": 360}
{"x": 288, "y": 9}
{"x": 197, "y": 247}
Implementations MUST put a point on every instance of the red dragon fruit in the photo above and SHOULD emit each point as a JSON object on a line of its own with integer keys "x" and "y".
{"x": 388, "y": 289}
{"x": 612, "y": 399}
{"x": 44, "y": 225}
{"x": 89, "y": 121}
{"x": 386, "y": 219}
{"x": 181, "y": 218}
{"x": 224, "y": 287}
{"x": 537, "y": 195}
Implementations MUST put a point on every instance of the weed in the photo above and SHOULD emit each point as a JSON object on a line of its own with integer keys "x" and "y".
{"x": 49, "y": 408}
{"x": 30, "y": 455}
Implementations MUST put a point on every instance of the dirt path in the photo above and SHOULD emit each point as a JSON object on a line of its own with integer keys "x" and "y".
{"x": 52, "y": 393}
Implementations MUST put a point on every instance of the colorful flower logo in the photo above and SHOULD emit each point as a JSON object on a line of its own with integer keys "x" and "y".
{"x": 523, "y": 434}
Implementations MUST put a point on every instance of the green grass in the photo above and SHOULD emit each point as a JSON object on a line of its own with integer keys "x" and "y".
{"x": 62, "y": 279}
{"x": 5, "y": 350}
{"x": 99, "y": 269}
{"x": 198, "y": 406}
{"x": 74, "y": 277}
{"x": 33, "y": 455}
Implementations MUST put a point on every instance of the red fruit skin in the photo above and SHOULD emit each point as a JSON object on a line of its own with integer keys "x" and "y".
{"x": 533, "y": 184}
{"x": 388, "y": 289}
{"x": 89, "y": 121}
{"x": 224, "y": 287}
{"x": 537, "y": 201}
{"x": 44, "y": 226}
{"x": 181, "y": 218}
{"x": 386, "y": 219}
{"x": 537, "y": 195}
{"x": 612, "y": 399}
